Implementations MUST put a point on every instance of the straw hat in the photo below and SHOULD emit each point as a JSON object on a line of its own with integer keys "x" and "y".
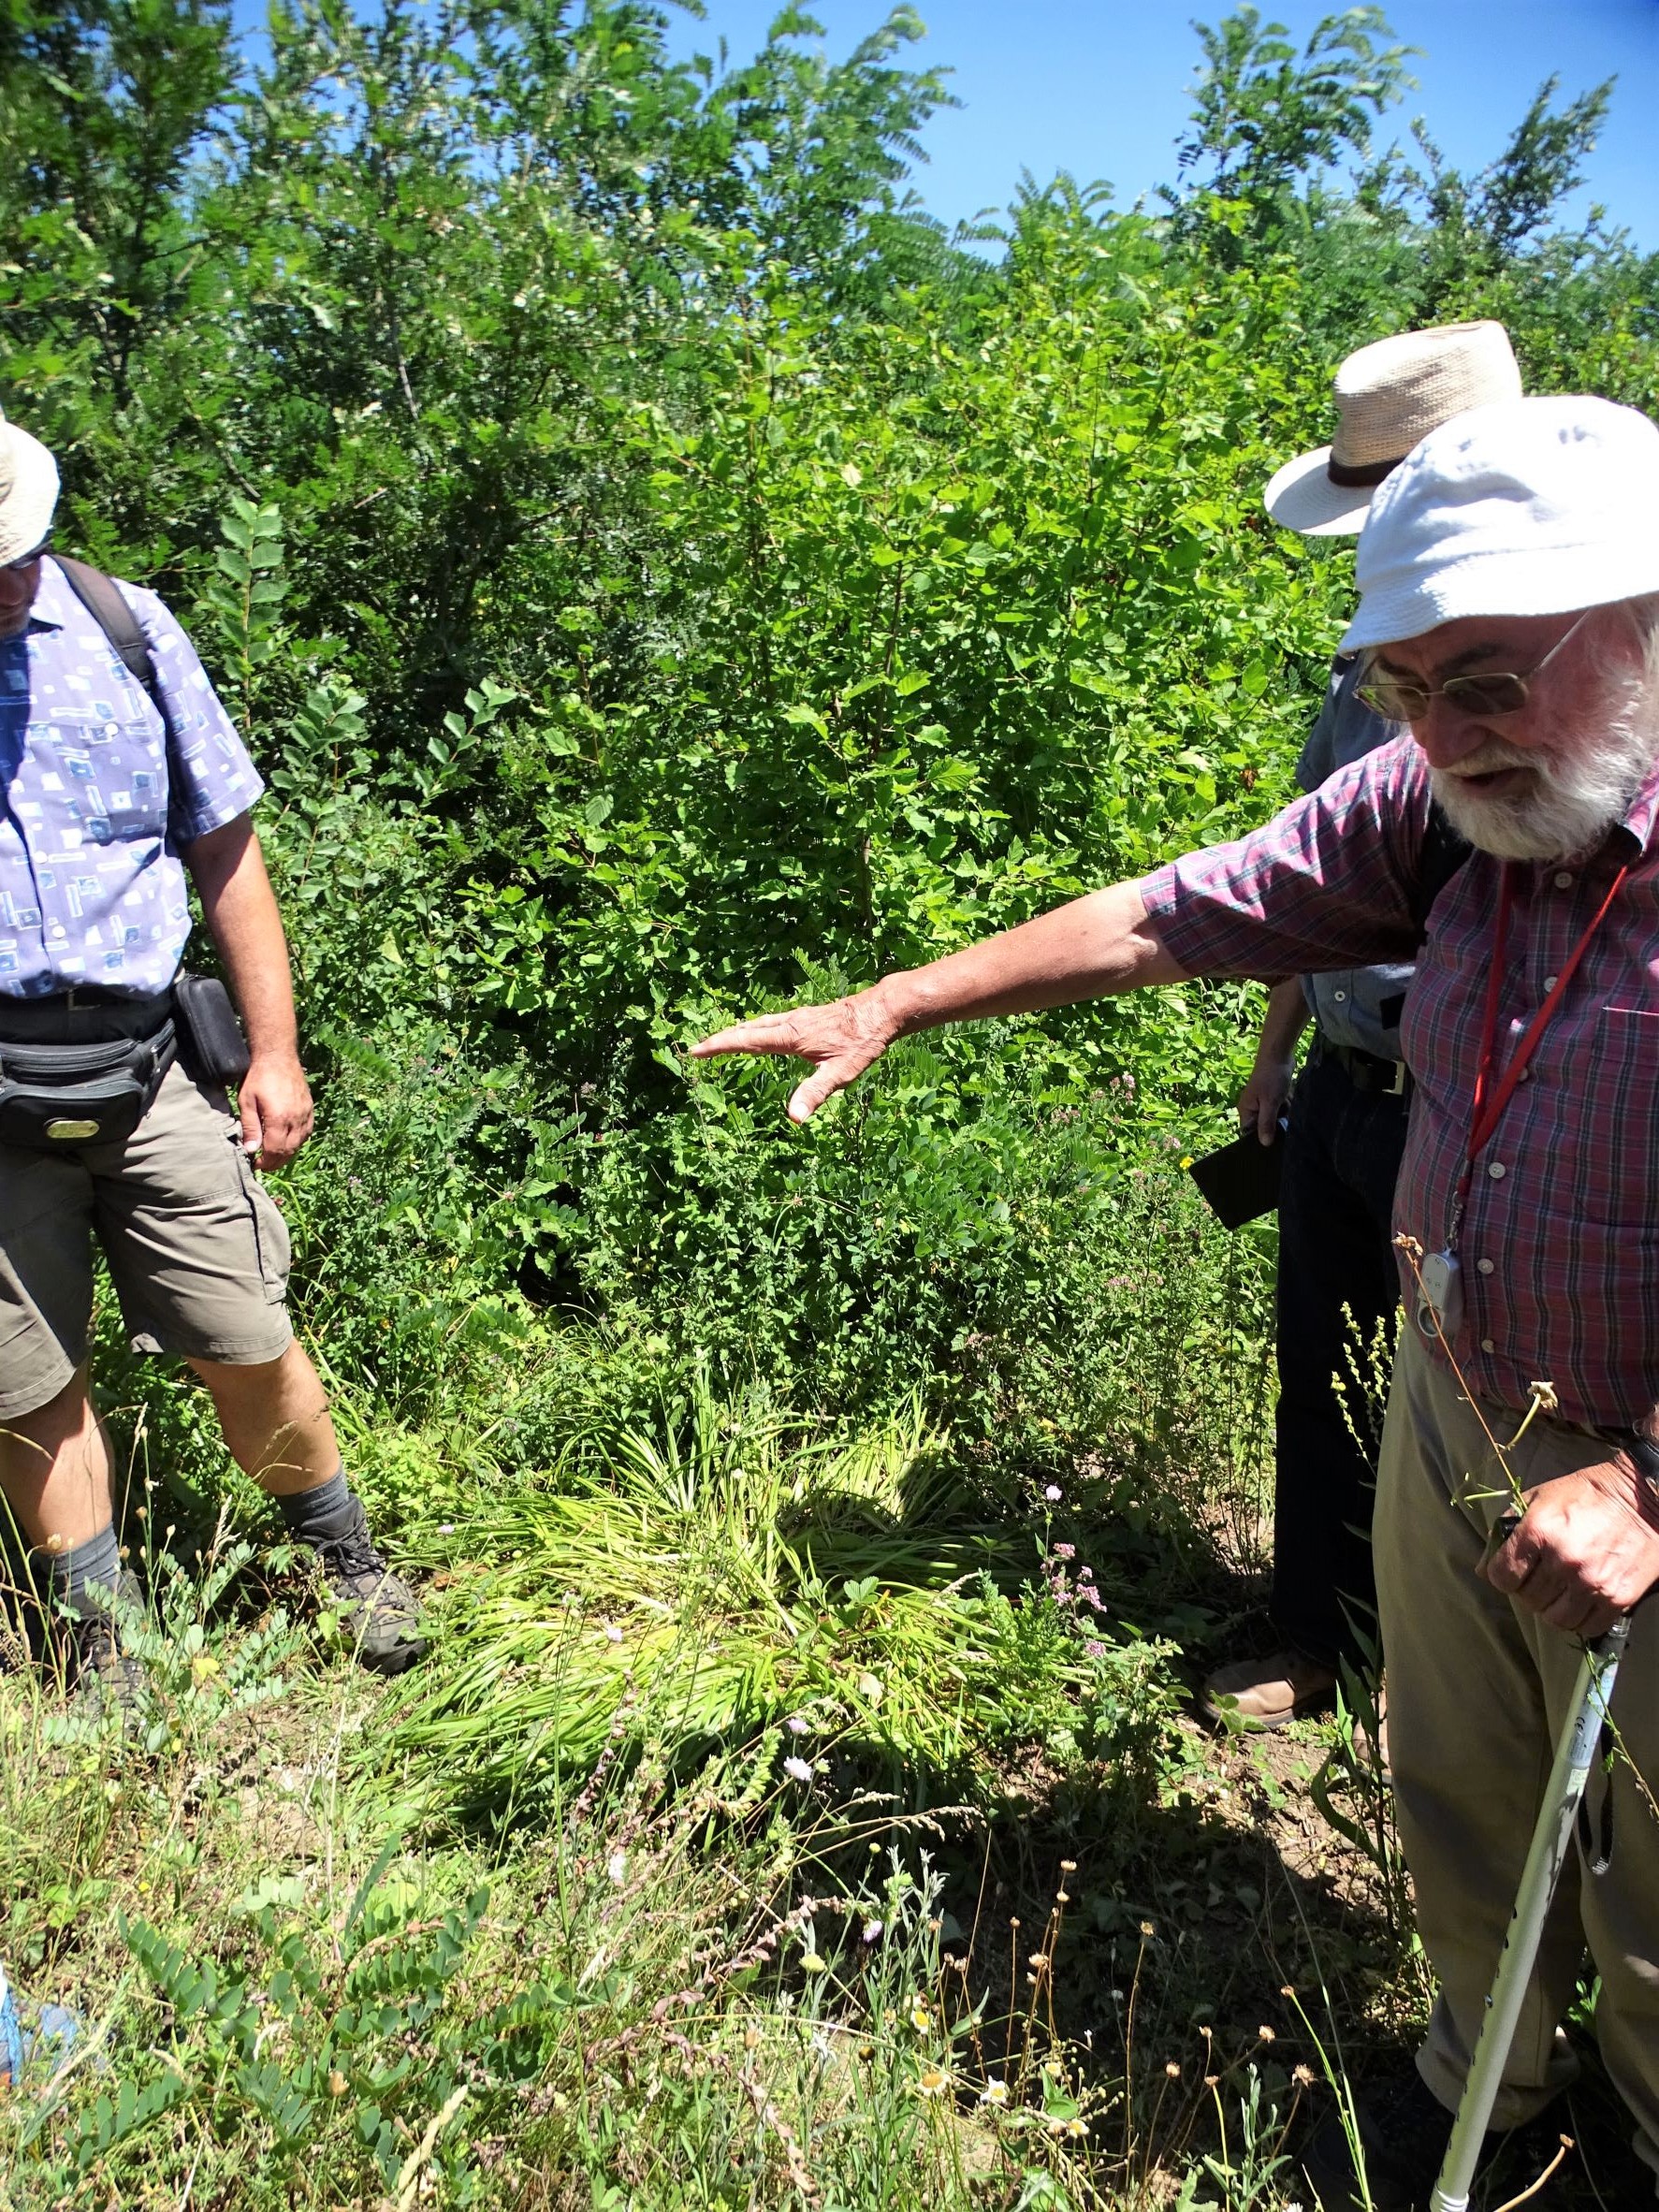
{"x": 1388, "y": 396}
{"x": 1536, "y": 508}
{"x": 28, "y": 491}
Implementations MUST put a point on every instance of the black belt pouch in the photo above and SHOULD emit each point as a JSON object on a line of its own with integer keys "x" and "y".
{"x": 56, "y": 1096}
{"x": 210, "y": 1040}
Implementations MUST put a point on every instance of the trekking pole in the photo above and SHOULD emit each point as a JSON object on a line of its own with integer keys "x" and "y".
{"x": 1563, "y": 1795}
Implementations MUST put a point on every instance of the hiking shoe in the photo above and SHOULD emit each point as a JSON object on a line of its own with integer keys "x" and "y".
{"x": 379, "y": 1613}
{"x": 97, "y": 1671}
{"x": 1404, "y": 2130}
{"x": 1260, "y": 1694}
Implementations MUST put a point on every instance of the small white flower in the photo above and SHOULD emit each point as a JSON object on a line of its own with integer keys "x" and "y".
{"x": 617, "y": 1866}
{"x": 994, "y": 2093}
{"x": 797, "y": 1769}
{"x": 613, "y": 1634}
{"x": 872, "y": 1931}
{"x": 446, "y": 1528}
{"x": 1052, "y": 1492}
{"x": 797, "y": 1726}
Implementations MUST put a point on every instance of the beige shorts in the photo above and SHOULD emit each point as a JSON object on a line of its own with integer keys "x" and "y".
{"x": 197, "y": 1248}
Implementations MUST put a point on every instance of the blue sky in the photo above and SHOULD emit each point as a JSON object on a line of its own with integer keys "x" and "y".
{"x": 1097, "y": 86}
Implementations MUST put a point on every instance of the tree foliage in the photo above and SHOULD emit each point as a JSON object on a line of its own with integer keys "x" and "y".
{"x": 661, "y": 572}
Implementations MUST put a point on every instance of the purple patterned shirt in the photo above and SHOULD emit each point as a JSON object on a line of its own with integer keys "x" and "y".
{"x": 96, "y": 799}
{"x": 1560, "y": 1242}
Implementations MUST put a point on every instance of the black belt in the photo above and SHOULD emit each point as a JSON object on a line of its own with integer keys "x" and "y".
{"x": 1366, "y": 1072}
{"x": 86, "y": 1015}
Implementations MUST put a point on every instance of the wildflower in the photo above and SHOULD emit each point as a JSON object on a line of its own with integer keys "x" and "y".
{"x": 1052, "y": 1492}
{"x": 1147, "y": 1928}
{"x": 933, "y": 2081}
{"x": 812, "y": 1962}
{"x": 1068, "y": 1866}
{"x": 617, "y": 1866}
{"x": 446, "y": 1528}
{"x": 797, "y": 1769}
{"x": 994, "y": 2093}
{"x": 1067, "y": 1551}
{"x": 1038, "y": 1962}
{"x": 1285, "y": 1989}
{"x": 869, "y": 1689}
{"x": 338, "y": 2085}
{"x": 1172, "y": 2067}
{"x": 1086, "y": 1573}
{"x": 920, "y": 2019}
{"x": 796, "y": 1725}
{"x": 1186, "y": 1160}
{"x": 613, "y": 1634}
{"x": 1264, "y": 2035}
{"x": 1094, "y": 1649}
{"x": 1303, "y": 2076}
{"x": 872, "y": 1931}
{"x": 1076, "y": 2127}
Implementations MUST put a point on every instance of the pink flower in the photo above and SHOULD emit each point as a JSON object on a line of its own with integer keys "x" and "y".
{"x": 1051, "y": 1493}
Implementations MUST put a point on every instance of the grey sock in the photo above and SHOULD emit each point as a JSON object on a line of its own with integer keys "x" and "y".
{"x": 98, "y": 1561}
{"x": 324, "y": 1515}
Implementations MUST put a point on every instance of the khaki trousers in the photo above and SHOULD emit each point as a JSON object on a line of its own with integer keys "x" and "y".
{"x": 1477, "y": 1695}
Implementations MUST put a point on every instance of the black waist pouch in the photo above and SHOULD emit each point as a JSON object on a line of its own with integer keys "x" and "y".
{"x": 210, "y": 1040}
{"x": 53, "y": 1097}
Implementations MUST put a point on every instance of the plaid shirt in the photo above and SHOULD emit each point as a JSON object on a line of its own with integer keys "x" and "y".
{"x": 1560, "y": 1242}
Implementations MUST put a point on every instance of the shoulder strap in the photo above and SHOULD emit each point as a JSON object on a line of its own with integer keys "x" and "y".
{"x": 104, "y": 602}
{"x": 1443, "y": 852}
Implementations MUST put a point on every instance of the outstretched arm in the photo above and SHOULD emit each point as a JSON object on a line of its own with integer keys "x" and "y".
{"x": 1092, "y": 948}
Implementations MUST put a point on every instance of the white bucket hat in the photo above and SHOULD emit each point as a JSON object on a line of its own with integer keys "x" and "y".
{"x": 1390, "y": 396}
{"x": 1536, "y": 508}
{"x": 28, "y": 491}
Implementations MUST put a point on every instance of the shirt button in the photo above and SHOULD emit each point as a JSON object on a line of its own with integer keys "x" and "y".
{"x": 1564, "y": 880}
{"x": 1497, "y": 1170}
{"x": 1487, "y": 1345}
{"x": 1485, "y": 1266}
{"x": 1551, "y": 981}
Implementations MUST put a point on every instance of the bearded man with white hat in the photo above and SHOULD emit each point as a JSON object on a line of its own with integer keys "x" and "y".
{"x": 125, "y": 785}
{"x": 1509, "y": 613}
{"x": 1344, "y": 1133}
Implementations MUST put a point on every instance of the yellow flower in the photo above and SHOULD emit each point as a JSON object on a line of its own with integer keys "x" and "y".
{"x": 933, "y": 2081}
{"x": 920, "y": 2017}
{"x": 1186, "y": 1160}
{"x": 812, "y": 1962}
{"x": 994, "y": 2093}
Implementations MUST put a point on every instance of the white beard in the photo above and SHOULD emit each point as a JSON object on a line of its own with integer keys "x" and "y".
{"x": 1575, "y": 797}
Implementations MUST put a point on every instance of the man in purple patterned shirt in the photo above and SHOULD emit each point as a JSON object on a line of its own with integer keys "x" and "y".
{"x": 114, "y": 802}
{"x": 1509, "y": 608}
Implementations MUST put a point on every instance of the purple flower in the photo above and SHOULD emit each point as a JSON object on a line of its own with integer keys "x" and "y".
{"x": 1095, "y": 1648}
{"x": 795, "y": 1726}
{"x": 1068, "y": 1552}
{"x": 1084, "y": 1573}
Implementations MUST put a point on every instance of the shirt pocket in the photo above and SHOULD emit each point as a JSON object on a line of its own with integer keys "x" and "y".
{"x": 1608, "y": 1129}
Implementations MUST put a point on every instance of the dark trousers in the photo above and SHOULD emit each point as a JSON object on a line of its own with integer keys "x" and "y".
{"x": 1337, "y": 1280}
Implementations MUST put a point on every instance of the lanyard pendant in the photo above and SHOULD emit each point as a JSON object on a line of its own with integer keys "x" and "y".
{"x": 1440, "y": 1296}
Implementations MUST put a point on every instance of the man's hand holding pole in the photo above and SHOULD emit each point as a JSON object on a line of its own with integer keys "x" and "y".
{"x": 1092, "y": 948}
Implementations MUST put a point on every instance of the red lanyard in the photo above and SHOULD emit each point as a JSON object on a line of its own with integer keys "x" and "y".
{"x": 1489, "y": 1103}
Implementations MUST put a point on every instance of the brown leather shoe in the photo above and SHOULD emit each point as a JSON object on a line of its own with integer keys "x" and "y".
{"x": 1257, "y": 1694}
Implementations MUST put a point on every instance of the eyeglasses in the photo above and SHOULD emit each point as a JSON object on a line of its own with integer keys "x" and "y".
{"x": 1403, "y": 699}
{"x": 27, "y": 560}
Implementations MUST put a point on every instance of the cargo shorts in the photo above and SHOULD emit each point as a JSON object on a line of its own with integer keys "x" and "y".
{"x": 197, "y": 1248}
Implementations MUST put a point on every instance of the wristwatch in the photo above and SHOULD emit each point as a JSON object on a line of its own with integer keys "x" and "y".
{"x": 1643, "y": 1455}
